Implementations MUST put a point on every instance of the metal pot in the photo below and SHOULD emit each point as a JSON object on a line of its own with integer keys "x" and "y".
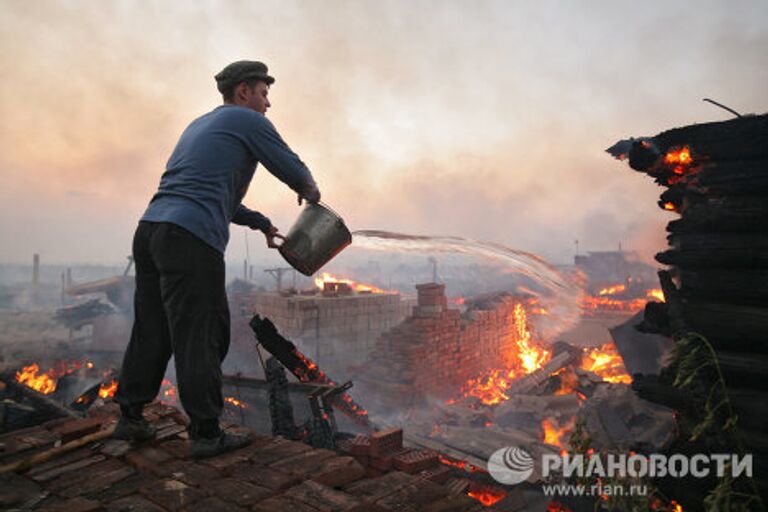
{"x": 316, "y": 237}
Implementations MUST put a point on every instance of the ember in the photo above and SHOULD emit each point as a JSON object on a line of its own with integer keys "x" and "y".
{"x": 357, "y": 287}
{"x": 487, "y": 496}
{"x": 235, "y": 402}
{"x": 168, "y": 393}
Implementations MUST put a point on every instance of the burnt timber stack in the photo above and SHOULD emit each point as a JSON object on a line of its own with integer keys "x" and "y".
{"x": 716, "y": 179}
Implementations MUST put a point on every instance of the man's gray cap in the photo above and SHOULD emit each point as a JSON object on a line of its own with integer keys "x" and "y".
{"x": 241, "y": 71}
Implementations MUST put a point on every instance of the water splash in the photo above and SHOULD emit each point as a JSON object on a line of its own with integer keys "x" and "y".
{"x": 562, "y": 292}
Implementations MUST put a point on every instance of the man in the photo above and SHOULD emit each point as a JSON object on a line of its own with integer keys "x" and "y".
{"x": 178, "y": 248}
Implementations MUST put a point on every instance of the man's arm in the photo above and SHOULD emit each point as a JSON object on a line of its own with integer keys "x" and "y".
{"x": 272, "y": 151}
{"x": 253, "y": 219}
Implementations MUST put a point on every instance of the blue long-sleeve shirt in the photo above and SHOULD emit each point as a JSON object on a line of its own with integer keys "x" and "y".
{"x": 211, "y": 167}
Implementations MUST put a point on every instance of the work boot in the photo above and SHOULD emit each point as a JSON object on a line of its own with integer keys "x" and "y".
{"x": 132, "y": 425}
{"x": 135, "y": 430}
{"x": 204, "y": 447}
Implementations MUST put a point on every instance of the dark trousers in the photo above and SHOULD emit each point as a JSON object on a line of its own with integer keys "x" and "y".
{"x": 180, "y": 309}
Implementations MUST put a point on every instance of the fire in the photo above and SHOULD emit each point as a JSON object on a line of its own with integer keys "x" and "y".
{"x": 655, "y": 294}
{"x": 42, "y": 383}
{"x": 460, "y": 464}
{"x": 568, "y": 382}
{"x": 358, "y": 287}
{"x": 45, "y": 382}
{"x": 680, "y": 157}
{"x": 613, "y": 290}
{"x": 488, "y": 496}
{"x": 606, "y": 362}
{"x": 556, "y": 506}
{"x": 670, "y": 206}
{"x": 554, "y": 434}
{"x": 235, "y": 402}
{"x": 528, "y": 357}
{"x": 107, "y": 389}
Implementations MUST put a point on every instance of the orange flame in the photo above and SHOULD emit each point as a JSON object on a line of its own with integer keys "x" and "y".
{"x": 681, "y": 156}
{"x": 670, "y": 206}
{"x": 554, "y": 434}
{"x": 235, "y": 402}
{"x": 606, "y": 362}
{"x": 655, "y": 294}
{"x": 466, "y": 466}
{"x": 45, "y": 382}
{"x": 613, "y": 290}
{"x": 528, "y": 357}
{"x": 107, "y": 389}
{"x": 488, "y": 496}
{"x": 42, "y": 383}
{"x": 358, "y": 287}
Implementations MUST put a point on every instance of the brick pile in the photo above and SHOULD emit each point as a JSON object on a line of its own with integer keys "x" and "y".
{"x": 436, "y": 350}
{"x": 272, "y": 474}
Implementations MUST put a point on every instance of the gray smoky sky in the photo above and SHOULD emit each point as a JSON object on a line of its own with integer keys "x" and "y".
{"x": 481, "y": 119}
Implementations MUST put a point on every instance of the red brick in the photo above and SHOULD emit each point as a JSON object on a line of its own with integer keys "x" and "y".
{"x": 386, "y": 441}
{"x": 76, "y": 505}
{"x": 360, "y": 445}
{"x": 415, "y": 461}
{"x": 172, "y": 494}
{"x": 237, "y": 491}
{"x": 263, "y": 476}
{"x": 213, "y": 504}
{"x": 303, "y": 464}
{"x": 439, "y": 474}
{"x": 54, "y": 472}
{"x": 324, "y": 498}
{"x": 283, "y": 503}
{"x": 133, "y": 503}
{"x": 412, "y": 497}
{"x": 76, "y": 429}
{"x": 191, "y": 473}
{"x": 98, "y": 483}
{"x": 338, "y": 471}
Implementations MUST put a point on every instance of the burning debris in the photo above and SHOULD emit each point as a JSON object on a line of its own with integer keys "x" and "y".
{"x": 714, "y": 307}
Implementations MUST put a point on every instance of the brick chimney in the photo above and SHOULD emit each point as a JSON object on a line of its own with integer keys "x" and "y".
{"x": 431, "y": 301}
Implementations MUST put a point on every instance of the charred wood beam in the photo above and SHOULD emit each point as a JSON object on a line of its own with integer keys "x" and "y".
{"x": 735, "y": 286}
{"x": 40, "y": 401}
{"x": 254, "y": 383}
{"x": 721, "y": 250}
{"x": 302, "y": 367}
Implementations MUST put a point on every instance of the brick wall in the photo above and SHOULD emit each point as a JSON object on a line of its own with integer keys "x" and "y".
{"x": 437, "y": 349}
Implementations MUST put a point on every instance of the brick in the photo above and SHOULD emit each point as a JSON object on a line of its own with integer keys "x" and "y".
{"x": 115, "y": 447}
{"x": 243, "y": 493}
{"x": 304, "y": 463}
{"x": 283, "y": 503}
{"x": 264, "y": 476}
{"x": 54, "y": 472}
{"x": 386, "y": 441}
{"x": 439, "y": 474}
{"x": 145, "y": 464}
{"x": 191, "y": 473}
{"x": 83, "y": 475}
{"x": 172, "y": 494}
{"x": 412, "y": 497}
{"x": 76, "y": 505}
{"x": 169, "y": 432}
{"x": 98, "y": 483}
{"x": 374, "y": 488}
{"x": 276, "y": 451}
{"x": 76, "y": 429}
{"x": 460, "y": 503}
{"x": 324, "y": 498}
{"x": 214, "y": 504}
{"x": 123, "y": 488}
{"x": 17, "y": 491}
{"x": 133, "y": 503}
{"x": 66, "y": 458}
{"x": 179, "y": 448}
{"x": 360, "y": 445}
{"x": 415, "y": 461}
{"x": 338, "y": 471}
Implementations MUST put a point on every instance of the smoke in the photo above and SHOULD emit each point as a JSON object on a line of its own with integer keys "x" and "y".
{"x": 487, "y": 122}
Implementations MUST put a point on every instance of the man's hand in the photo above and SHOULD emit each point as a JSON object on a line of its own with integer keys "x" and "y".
{"x": 312, "y": 195}
{"x": 271, "y": 234}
